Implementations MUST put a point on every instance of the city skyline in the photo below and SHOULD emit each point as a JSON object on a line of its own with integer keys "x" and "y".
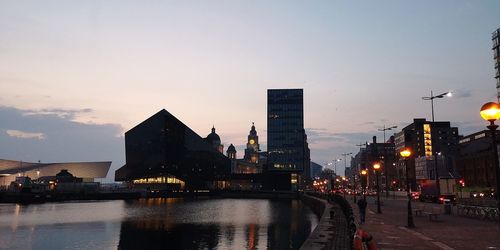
{"x": 86, "y": 72}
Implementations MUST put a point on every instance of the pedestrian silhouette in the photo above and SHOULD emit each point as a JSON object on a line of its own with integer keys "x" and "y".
{"x": 362, "y": 209}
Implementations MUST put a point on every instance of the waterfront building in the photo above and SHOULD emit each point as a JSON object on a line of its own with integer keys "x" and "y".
{"x": 247, "y": 173}
{"x": 253, "y": 148}
{"x": 496, "y": 56}
{"x": 87, "y": 171}
{"x": 475, "y": 163}
{"x": 285, "y": 136}
{"x": 162, "y": 153}
{"x": 430, "y": 142}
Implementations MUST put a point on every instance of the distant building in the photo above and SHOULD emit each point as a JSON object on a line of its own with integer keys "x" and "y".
{"x": 253, "y": 148}
{"x": 426, "y": 140}
{"x": 247, "y": 173}
{"x": 475, "y": 162}
{"x": 306, "y": 173}
{"x": 496, "y": 56}
{"x": 231, "y": 152}
{"x": 315, "y": 169}
{"x": 87, "y": 171}
{"x": 163, "y": 154}
{"x": 359, "y": 161}
{"x": 375, "y": 152}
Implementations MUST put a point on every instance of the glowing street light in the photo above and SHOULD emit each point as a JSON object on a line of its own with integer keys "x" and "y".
{"x": 405, "y": 153}
{"x": 363, "y": 177}
{"x": 385, "y": 158}
{"x": 376, "y": 167}
{"x": 491, "y": 112}
{"x": 432, "y": 97}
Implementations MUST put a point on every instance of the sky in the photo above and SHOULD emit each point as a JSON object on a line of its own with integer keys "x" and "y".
{"x": 75, "y": 75}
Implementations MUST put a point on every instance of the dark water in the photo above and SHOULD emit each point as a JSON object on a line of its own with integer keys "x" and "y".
{"x": 168, "y": 223}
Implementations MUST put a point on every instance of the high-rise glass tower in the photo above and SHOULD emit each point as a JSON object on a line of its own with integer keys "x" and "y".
{"x": 285, "y": 130}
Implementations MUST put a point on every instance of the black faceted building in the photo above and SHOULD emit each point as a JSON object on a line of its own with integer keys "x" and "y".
{"x": 162, "y": 153}
{"x": 285, "y": 133}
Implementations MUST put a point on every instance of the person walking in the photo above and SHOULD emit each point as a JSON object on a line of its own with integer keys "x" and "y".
{"x": 362, "y": 209}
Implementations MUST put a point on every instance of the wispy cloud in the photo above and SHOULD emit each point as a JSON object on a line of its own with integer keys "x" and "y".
{"x": 25, "y": 135}
{"x": 62, "y": 113}
{"x": 462, "y": 93}
{"x": 315, "y": 135}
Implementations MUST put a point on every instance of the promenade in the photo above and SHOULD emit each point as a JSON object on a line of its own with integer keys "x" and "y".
{"x": 447, "y": 232}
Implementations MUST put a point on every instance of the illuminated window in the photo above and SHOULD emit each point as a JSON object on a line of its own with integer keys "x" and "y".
{"x": 427, "y": 140}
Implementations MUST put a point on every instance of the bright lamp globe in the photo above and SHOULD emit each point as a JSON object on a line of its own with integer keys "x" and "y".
{"x": 490, "y": 111}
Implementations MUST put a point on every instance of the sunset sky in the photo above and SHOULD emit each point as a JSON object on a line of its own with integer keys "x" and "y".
{"x": 75, "y": 75}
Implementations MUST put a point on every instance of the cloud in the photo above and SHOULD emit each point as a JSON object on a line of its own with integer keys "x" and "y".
{"x": 316, "y": 135}
{"x": 63, "y": 140}
{"x": 25, "y": 135}
{"x": 62, "y": 113}
{"x": 462, "y": 93}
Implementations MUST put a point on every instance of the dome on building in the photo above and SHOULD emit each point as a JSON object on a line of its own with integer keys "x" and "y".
{"x": 213, "y": 138}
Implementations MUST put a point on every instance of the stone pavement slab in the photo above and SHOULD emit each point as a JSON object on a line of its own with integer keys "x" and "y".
{"x": 448, "y": 232}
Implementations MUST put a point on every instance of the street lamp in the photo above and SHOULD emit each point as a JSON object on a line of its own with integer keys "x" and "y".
{"x": 343, "y": 185}
{"x": 345, "y": 159}
{"x": 345, "y": 163}
{"x": 335, "y": 165}
{"x": 432, "y": 97}
{"x": 376, "y": 167}
{"x": 363, "y": 187}
{"x": 491, "y": 112}
{"x": 385, "y": 161}
{"x": 405, "y": 153}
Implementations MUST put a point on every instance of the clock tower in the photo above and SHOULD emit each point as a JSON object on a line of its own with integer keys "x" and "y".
{"x": 252, "y": 150}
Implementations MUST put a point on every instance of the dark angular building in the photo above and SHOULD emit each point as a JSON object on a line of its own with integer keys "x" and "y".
{"x": 476, "y": 163}
{"x": 163, "y": 153}
{"x": 286, "y": 135}
{"x": 427, "y": 140}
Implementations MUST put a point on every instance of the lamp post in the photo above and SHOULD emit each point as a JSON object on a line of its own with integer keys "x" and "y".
{"x": 385, "y": 161}
{"x": 343, "y": 185}
{"x": 491, "y": 112}
{"x": 431, "y": 98}
{"x": 363, "y": 187}
{"x": 345, "y": 161}
{"x": 357, "y": 169}
{"x": 405, "y": 153}
{"x": 376, "y": 167}
{"x": 354, "y": 185}
{"x": 335, "y": 170}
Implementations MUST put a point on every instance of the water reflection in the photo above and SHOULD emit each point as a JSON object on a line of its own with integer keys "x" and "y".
{"x": 157, "y": 224}
{"x": 216, "y": 224}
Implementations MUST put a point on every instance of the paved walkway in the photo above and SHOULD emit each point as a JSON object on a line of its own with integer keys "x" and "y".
{"x": 448, "y": 232}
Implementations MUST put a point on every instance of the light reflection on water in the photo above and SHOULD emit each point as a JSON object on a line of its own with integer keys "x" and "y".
{"x": 168, "y": 223}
